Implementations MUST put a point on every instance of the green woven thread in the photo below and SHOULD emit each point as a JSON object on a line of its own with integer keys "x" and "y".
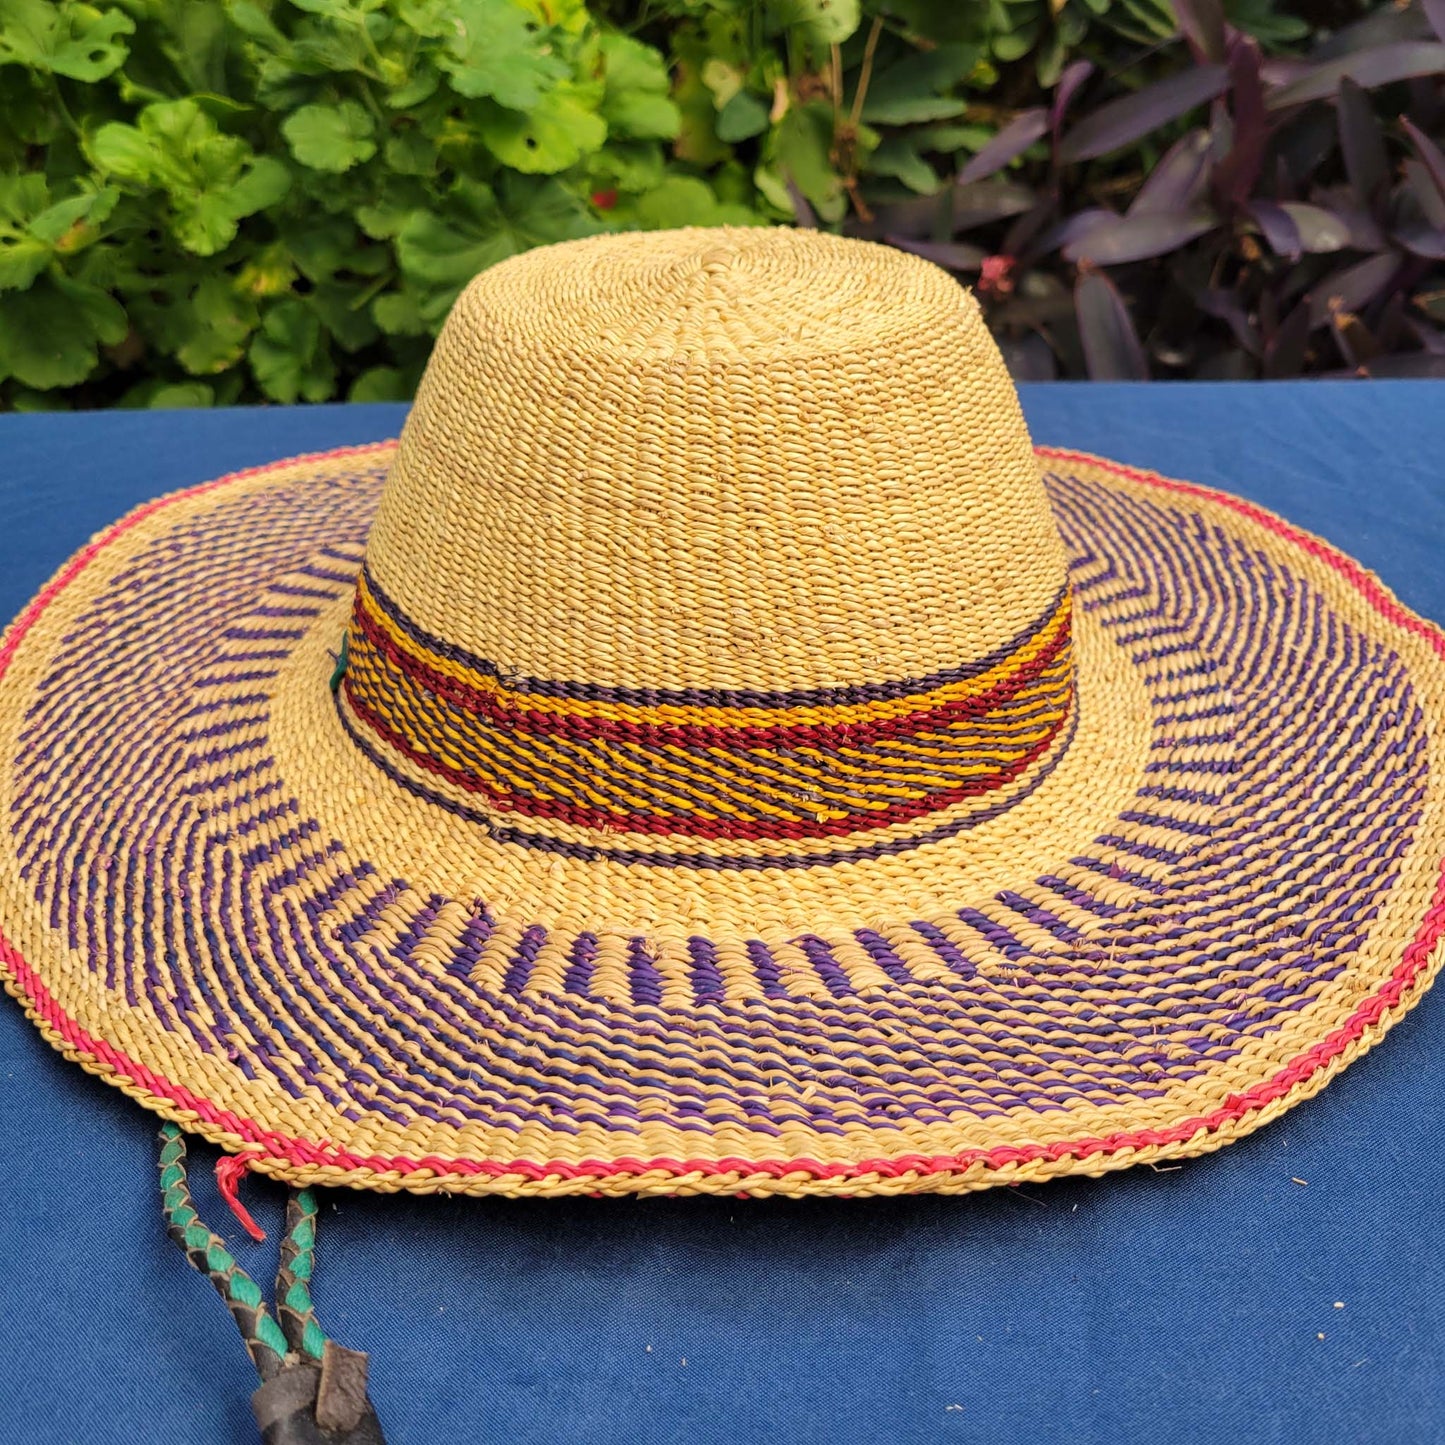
{"x": 207, "y": 1252}
{"x": 293, "y": 1277}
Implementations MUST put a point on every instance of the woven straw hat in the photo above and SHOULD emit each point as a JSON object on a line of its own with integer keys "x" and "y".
{"x": 713, "y": 751}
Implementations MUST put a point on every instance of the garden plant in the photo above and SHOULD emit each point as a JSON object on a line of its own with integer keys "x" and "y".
{"x": 218, "y": 201}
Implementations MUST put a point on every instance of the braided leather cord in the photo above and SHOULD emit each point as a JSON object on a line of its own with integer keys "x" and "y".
{"x": 294, "y": 1308}
{"x": 313, "y": 1391}
{"x": 207, "y": 1252}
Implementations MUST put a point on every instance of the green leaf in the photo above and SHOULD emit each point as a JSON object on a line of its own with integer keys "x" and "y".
{"x": 686, "y": 201}
{"x": 347, "y": 11}
{"x": 250, "y": 19}
{"x": 23, "y": 399}
{"x": 420, "y": 85}
{"x": 896, "y": 156}
{"x": 123, "y": 151}
{"x": 22, "y": 259}
{"x": 398, "y": 313}
{"x": 70, "y": 225}
{"x": 350, "y": 326}
{"x": 322, "y": 246}
{"x": 330, "y": 137}
{"x": 260, "y": 185}
{"x": 942, "y": 21}
{"x": 636, "y": 102}
{"x": 802, "y": 148}
{"x": 23, "y": 256}
{"x": 450, "y": 252}
{"x": 479, "y": 227}
{"x": 743, "y": 116}
{"x": 217, "y": 325}
{"x": 916, "y": 87}
{"x": 207, "y": 222}
{"x": 412, "y": 153}
{"x": 496, "y": 49}
{"x": 381, "y": 383}
{"x": 51, "y": 334}
{"x": 1015, "y": 44}
{"x": 630, "y": 166}
{"x": 179, "y": 395}
{"x": 817, "y": 22}
{"x": 211, "y": 181}
{"x": 78, "y": 41}
{"x": 289, "y": 355}
{"x": 33, "y": 231}
{"x": 555, "y": 134}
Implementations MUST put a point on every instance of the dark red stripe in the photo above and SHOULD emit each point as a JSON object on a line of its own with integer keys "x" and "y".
{"x": 689, "y": 824}
{"x": 479, "y": 704}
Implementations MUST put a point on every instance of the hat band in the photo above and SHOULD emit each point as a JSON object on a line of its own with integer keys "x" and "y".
{"x": 725, "y": 764}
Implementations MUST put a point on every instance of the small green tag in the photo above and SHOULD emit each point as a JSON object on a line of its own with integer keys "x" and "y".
{"x": 341, "y": 658}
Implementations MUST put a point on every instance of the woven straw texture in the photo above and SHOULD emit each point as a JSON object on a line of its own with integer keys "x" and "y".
{"x": 713, "y": 751}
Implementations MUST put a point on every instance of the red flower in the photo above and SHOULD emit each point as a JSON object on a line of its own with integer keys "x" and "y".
{"x": 604, "y": 200}
{"x": 996, "y": 275}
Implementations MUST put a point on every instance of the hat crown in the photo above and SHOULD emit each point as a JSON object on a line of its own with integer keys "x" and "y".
{"x": 717, "y": 458}
{"x": 731, "y": 535}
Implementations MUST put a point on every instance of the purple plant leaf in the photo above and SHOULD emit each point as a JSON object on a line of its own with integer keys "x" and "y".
{"x": 1139, "y": 238}
{"x": 1420, "y": 185}
{"x": 1382, "y": 26}
{"x": 1235, "y": 176}
{"x": 1421, "y": 240}
{"x": 1279, "y": 229}
{"x": 1430, "y": 338}
{"x": 1292, "y": 227}
{"x": 1178, "y": 180}
{"x": 1340, "y": 201}
{"x": 1430, "y": 155}
{"x": 1320, "y": 230}
{"x": 1352, "y": 288}
{"x": 1073, "y": 77}
{"x": 1390, "y": 324}
{"x": 1280, "y": 70}
{"x": 951, "y": 255}
{"x": 1424, "y": 103}
{"x": 1226, "y": 306}
{"x": 1284, "y": 352}
{"x": 1357, "y": 344}
{"x": 1369, "y": 68}
{"x": 1023, "y": 232}
{"x": 1012, "y": 141}
{"x": 1435, "y": 14}
{"x": 1202, "y": 24}
{"x": 1071, "y": 228}
{"x": 1028, "y": 357}
{"x": 923, "y": 217}
{"x": 1362, "y": 143}
{"x": 1124, "y": 121}
{"x": 1111, "y": 345}
{"x": 1407, "y": 364}
{"x": 980, "y": 202}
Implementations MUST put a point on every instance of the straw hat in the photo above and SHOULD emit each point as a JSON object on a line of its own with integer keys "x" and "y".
{"x": 713, "y": 751}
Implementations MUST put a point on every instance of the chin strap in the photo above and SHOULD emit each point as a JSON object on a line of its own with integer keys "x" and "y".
{"x": 313, "y": 1391}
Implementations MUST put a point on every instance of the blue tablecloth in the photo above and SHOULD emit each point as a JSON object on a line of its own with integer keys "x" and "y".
{"x": 1193, "y": 1305}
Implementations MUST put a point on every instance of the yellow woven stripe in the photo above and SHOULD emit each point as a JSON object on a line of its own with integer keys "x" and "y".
{"x": 724, "y": 717}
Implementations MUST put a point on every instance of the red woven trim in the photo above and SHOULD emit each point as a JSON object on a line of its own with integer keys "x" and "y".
{"x": 492, "y": 709}
{"x": 697, "y": 825}
{"x": 301, "y": 1152}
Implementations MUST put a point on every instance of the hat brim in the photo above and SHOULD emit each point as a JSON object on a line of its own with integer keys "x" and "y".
{"x": 1219, "y": 890}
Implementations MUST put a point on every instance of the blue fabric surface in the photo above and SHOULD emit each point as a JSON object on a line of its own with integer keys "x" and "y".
{"x": 1182, "y": 1306}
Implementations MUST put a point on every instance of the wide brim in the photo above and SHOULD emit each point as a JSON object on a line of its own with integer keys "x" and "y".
{"x": 1220, "y": 890}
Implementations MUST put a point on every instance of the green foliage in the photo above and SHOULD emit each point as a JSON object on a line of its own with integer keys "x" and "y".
{"x": 212, "y": 201}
